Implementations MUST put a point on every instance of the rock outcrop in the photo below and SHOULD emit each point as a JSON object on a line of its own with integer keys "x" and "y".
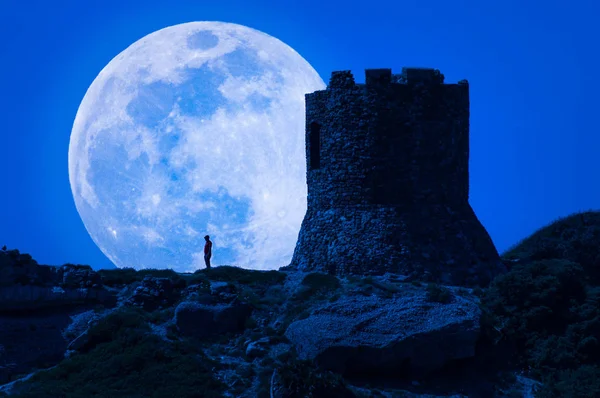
{"x": 27, "y": 286}
{"x": 37, "y": 305}
{"x": 405, "y": 335}
{"x": 313, "y": 333}
{"x": 154, "y": 293}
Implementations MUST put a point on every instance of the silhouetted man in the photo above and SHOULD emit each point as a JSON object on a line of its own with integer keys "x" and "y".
{"x": 207, "y": 251}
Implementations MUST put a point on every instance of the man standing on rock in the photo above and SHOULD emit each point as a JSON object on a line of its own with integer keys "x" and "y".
{"x": 207, "y": 251}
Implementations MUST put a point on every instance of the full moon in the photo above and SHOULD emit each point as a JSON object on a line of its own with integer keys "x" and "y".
{"x": 196, "y": 129}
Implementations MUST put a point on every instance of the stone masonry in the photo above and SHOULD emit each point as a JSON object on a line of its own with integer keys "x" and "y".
{"x": 388, "y": 181}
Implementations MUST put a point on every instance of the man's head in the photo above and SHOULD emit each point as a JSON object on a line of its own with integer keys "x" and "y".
{"x": 206, "y": 237}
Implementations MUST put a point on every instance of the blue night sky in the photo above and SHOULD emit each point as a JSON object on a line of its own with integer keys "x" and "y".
{"x": 532, "y": 67}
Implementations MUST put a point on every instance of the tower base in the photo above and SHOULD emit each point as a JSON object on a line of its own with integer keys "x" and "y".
{"x": 435, "y": 243}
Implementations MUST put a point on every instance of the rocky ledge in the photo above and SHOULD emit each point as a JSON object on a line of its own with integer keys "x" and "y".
{"x": 26, "y": 285}
{"x": 243, "y": 333}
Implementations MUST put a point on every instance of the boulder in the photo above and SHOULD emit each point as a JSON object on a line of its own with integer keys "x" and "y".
{"x": 153, "y": 293}
{"x": 74, "y": 276}
{"x": 407, "y": 335}
{"x": 200, "y": 320}
{"x": 221, "y": 287}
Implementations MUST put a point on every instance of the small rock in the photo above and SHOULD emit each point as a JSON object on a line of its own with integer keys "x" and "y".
{"x": 258, "y": 348}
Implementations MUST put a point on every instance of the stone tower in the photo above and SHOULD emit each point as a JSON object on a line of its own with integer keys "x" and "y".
{"x": 388, "y": 180}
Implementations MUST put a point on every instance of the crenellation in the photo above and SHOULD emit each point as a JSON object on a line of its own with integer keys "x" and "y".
{"x": 378, "y": 77}
{"x": 422, "y": 75}
{"x": 388, "y": 180}
{"x": 341, "y": 79}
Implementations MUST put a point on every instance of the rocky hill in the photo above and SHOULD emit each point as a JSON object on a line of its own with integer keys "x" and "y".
{"x": 228, "y": 332}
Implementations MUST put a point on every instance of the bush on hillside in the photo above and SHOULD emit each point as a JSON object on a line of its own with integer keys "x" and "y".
{"x": 550, "y": 315}
{"x": 583, "y": 382}
{"x": 548, "y": 306}
{"x": 123, "y": 359}
{"x": 536, "y": 299}
{"x": 575, "y": 238}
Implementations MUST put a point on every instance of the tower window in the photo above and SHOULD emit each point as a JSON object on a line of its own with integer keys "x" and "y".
{"x": 315, "y": 146}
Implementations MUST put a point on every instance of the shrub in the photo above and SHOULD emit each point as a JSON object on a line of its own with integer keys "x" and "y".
{"x": 438, "y": 294}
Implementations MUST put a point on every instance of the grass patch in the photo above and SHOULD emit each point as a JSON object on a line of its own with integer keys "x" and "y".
{"x": 368, "y": 286}
{"x": 126, "y": 276}
{"x": 316, "y": 285}
{"x": 124, "y": 360}
{"x": 274, "y": 295}
{"x": 243, "y": 276}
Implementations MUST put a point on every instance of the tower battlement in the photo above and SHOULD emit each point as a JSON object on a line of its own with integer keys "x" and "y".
{"x": 388, "y": 161}
{"x": 383, "y": 77}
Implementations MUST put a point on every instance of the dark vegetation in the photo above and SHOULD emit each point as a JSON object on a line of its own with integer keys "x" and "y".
{"x": 125, "y": 276}
{"x": 547, "y": 308}
{"x": 438, "y": 294}
{"x": 303, "y": 379}
{"x": 368, "y": 285}
{"x": 317, "y": 284}
{"x": 257, "y": 288}
{"x": 315, "y": 287}
{"x": 242, "y": 276}
{"x": 122, "y": 359}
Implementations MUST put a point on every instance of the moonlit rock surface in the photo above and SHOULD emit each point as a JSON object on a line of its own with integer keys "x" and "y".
{"x": 194, "y": 129}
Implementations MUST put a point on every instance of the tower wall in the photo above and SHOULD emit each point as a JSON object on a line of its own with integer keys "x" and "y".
{"x": 388, "y": 180}
{"x": 388, "y": 143}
